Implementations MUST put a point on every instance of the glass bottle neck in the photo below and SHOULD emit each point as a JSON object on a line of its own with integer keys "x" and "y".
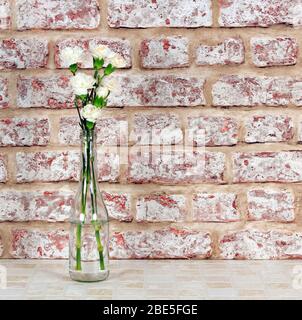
{"x": 89, "y": 154}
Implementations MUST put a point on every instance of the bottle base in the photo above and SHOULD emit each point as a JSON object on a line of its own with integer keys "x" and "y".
{"x": 81, "y": 276}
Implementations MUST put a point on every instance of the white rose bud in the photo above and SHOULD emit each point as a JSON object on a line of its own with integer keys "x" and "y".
{"x": 118, "y": 61}
{"x": 102, "y": 52}
{"x": 71, "y": 56}
{"x": 81, "y": 82}
{"x": 90, "y": 113}
{"x": 102, "y": 91}
{"x": 110, "y": 84}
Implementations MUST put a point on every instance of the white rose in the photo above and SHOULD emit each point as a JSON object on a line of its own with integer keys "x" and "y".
{"x": 118, "y": 61}
{"x": 90, "y": 113}
{"x": 81, "y": 82}
{"x": 71, "y": 56}
{"x": 110, "y": 84}
{"x": 102, "y": 91}
{"x": 102, "y": 52}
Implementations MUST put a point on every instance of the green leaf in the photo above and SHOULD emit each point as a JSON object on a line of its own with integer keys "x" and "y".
{"x": 98, "y": 101}
{"x": 98, "y": 63}
{"x": 109, "y": 69}
{"x": 82, "y": 97}
{"x": 73, "y": 68}
{"x": 90, "y": 125}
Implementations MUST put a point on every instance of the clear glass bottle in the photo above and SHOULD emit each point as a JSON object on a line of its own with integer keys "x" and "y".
{"x": 89, "y": 231}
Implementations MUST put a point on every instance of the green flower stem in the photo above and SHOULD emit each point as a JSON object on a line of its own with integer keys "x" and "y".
{"x": 97, "y": 227}
{"x": 85, "y": 182}
{"x": 79, "y": 113}
{"x": 99, "y": 245}
{"x": 78, "y": 247}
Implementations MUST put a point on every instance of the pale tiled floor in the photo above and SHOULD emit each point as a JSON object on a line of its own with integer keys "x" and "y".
{"x": 158, "y": 280}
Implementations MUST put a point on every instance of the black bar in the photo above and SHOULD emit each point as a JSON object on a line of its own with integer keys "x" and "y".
{"x": 98, "y": 310}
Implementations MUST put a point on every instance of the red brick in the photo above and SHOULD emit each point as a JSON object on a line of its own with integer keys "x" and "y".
{"x": 264, "y": 13}
{"x": 47, "y": 166}
{"x": 108, "y": 166}
{"x": 176, "y": 167}
{"x": 120, "y": 46}
{"x": 57, "y": 14}
{"x": 212, "y": 131}
{"x": 279, "y": 51}
{"x": 109, "y": 131}
{"x": 56, "y": 93}
{"x": 44, "y": 92}
{"x": 24, "y": 132}
{"x": 268, "y": 128}
{"x": 161, "y": 207}
{"x": 256, "y": 244}
{"x": 3, "y": 93}
{"x": 228, "y": 52}
{"x": 237, "y": 90}
{"x": 35, "y": 206}
{"x": 215, "y": 207}
{"x": 159, "y": 13}
{"x": 161, "y": 244}
{"x": 5, "y": 17}
{"x": 53, "y": 166}
{"x": 118, "y": 206}
{"x": 284, "y": 166}
{"x": 271, "y": 205}
{"x": 38, "y": 244}
{"x": 156, "y": 129}
{"x": 158, "y": 91}
{"x": 3, "y": 168}
{"x": 23, "y": 53}
{"x": 164, "y": 52}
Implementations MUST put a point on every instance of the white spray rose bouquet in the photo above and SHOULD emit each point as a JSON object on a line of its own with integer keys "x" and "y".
{"x": 71, "y": 56}
{"x": 82, "y": 83}
{"x": 92, "y": 92}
